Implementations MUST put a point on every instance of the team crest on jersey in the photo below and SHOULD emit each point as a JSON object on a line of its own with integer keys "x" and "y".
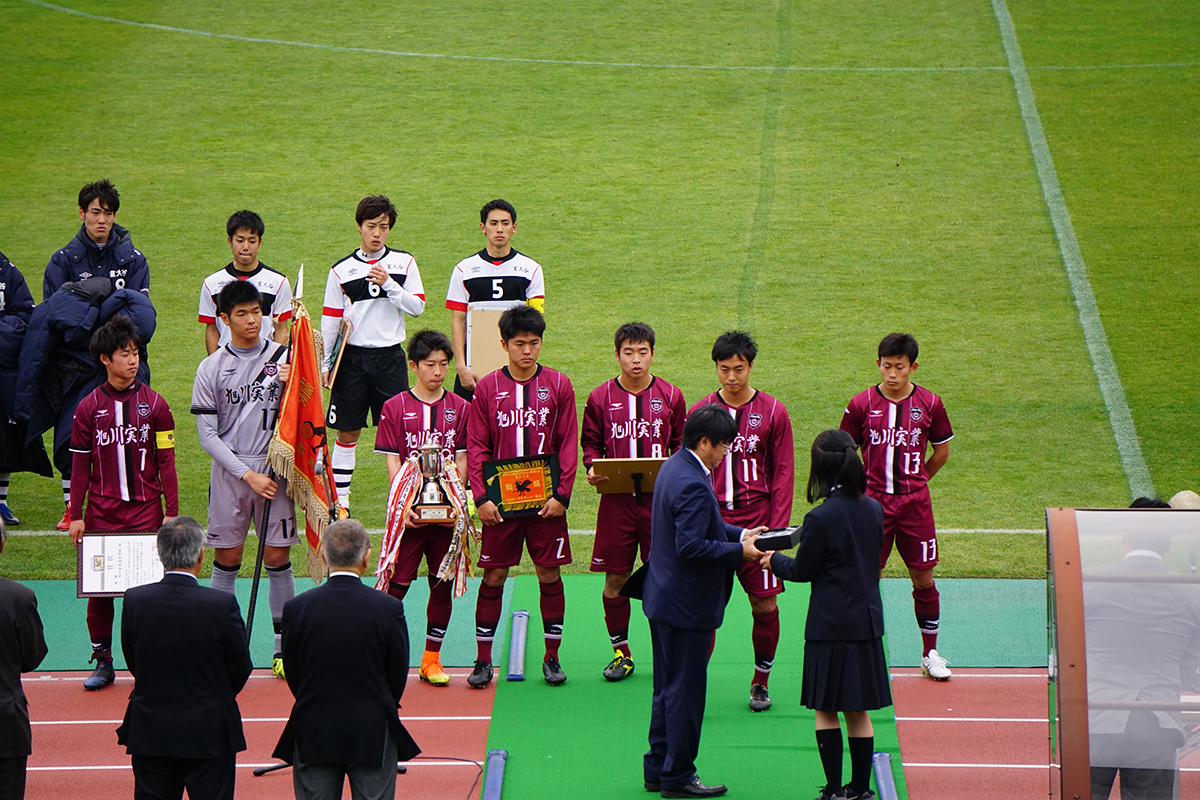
{"x": 449, "y": 415}
{"x": 143, "y": 409}
{"x": 656, "y": 404}
{"x": 543, "y": 393}
{"x": 754, "y": 420}
{"x": 271, "y": 369}
{"x": 916, "y": 413}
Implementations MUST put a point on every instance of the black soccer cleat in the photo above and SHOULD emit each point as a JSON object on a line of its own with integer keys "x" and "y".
{"x": 760, "y": 700}
{"x": 481, "y": 676}
{"x": 103, "y": 675}
{"x": 620, "y": 668}
{"x": 553, "y": 672}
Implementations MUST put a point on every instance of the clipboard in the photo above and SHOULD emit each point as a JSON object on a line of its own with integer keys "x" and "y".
{"x": 633, "y": 476}
{"x": 484, "y": 353}
{"x": 109, "y": 562}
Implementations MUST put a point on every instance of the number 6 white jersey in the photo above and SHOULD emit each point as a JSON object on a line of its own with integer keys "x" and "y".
{"x": 375, "y": 311}
{"x": 236, "y": 399}
{"x": 893, "y": 436}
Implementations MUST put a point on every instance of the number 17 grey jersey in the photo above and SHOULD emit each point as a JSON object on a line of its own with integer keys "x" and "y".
{"x": 236, "y": 399}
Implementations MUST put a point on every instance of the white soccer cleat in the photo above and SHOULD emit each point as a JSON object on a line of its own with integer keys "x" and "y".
{"x": 934, "y": 666}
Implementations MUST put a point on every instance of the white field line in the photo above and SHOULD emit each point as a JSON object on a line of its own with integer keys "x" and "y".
{"x": 475, "y": 764}
{"x": 568, "y": 63}
{"x": 1103, "y": 364}
{"x": 261, "y": 674}
{"x": 976, "y": 766}
{"x": 967, "y": 719}
{"x": 245, "y": 719}
{"x": 968, "y": 676}
{"x": 592, "y": 532}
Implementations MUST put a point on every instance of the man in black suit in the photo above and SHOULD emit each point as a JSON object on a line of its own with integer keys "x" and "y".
{"x": 346, "y": 650}
{"x": 186, "y": 647}
{"x": 22, "y": 648}
{"x": 693, "y": 553}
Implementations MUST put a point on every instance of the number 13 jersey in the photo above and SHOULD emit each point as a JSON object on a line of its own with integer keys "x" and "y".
{"x": 893, "y": 436}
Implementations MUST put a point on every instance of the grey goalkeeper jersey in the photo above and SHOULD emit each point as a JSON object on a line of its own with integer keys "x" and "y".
{"x": 236, "y": 399}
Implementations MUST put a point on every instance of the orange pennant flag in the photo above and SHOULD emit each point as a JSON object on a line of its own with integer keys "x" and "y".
{"x": 299, "y": 450}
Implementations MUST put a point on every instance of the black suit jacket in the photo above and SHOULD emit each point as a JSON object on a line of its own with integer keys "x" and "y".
{"x": 186, "y": 647}
{"x": 692, "y": 549}
{"x": 839, "y": 553}
{"x": 22, "y": 648}
{"x": 345, "y": 647}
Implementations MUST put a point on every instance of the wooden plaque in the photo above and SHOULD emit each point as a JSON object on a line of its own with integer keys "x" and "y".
{"x": 627, "y": 475}
{"x": 484, "y": 353}
{"x": 109, "y": 562}
{"x": 520, "y": 486}
{"x": 339, "y": 348}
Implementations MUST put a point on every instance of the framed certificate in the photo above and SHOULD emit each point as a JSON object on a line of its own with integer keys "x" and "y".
{"x": 520, "y": 486}
{"x": 109, "y": 562}
{"x": 627, "y": 475}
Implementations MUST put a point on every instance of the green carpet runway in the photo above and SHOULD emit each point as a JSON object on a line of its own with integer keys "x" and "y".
{"x": 586, "y": 739}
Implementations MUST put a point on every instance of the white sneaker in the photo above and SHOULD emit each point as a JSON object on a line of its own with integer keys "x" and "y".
{"x": 934, "y": 666}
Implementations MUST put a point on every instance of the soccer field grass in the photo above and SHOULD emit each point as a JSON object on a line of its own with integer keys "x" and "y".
{"x": 819, "y": 174}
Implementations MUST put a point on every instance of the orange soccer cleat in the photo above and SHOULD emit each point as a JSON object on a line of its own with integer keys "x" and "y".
{"x": 431, "y": 669}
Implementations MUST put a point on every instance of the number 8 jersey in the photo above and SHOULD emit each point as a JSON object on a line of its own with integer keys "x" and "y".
{"x": 893, "y": 436}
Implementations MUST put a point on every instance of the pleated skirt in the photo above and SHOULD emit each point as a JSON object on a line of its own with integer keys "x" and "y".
{"x": 845, "y": 676}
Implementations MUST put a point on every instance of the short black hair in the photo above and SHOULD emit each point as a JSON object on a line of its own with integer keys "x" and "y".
{"x": 899, "y": 344}
{"x": 424, "y": 343}
{"x": 372, "y": 206}
{"x": 503, "y": 205}
{"x": 236, "y": 293}
{"x": 245, "y": 219}
{"x": 733, "y": 344}
{"x": 101, "y": 190}
{"x": 112, "y": 336}
{"x": 521, "y": 319}
{"x": 835, "y": 464}
{"x": 712, "y": 422}
{"x": 632, "y": 332}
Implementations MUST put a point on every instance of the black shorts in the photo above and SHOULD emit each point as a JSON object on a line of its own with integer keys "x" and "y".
{"x": 367, "y": 378}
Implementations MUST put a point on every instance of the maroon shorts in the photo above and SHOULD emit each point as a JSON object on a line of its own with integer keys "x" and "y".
{"x": 622, "y": 529}
{"x": 546, "y": 539}
{"x": 430, "y": 542}
{"x": 757, "y": 582}
{"x": 107, "y": 514}
{"x": 908, "y": 521}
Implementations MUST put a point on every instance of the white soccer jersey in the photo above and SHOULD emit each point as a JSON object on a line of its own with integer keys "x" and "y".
{"x": 376, "y": 312}
{"x": 482, "y": 281}
{"x": 271, "y": 284}
{"x": 236, "y": 399}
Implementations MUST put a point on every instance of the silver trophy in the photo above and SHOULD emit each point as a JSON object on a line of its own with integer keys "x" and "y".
{"x": 431, "y": 504}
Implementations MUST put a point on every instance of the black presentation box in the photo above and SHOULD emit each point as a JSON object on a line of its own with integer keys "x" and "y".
{"x": 779, "y": 539}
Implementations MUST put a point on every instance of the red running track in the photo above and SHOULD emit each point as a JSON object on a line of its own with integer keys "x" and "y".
{"x": 75, "y": 750}
{"x": 983, "y": 734}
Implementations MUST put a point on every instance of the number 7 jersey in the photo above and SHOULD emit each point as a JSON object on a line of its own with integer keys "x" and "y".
{"x": 893, "y": 436}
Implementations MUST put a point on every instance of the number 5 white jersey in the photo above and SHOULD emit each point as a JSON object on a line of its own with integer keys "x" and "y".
{"x": 482, "y": 281}
{"x": 236, "y": 399}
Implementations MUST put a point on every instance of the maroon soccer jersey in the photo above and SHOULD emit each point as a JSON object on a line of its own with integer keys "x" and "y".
{"x": 759, "y": 471}
{"x": 124, "y": 449}
{"x": 511, "y": 418}
{"x": 893, "y": 436}
{"x": 407, "y": 423}
{"x": 620, "y": 424}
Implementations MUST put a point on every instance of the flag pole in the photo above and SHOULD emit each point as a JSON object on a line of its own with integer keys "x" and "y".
{"x": 261, "y": 529}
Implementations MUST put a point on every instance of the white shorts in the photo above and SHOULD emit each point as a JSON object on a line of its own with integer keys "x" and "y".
{"x": 233, "y": 505}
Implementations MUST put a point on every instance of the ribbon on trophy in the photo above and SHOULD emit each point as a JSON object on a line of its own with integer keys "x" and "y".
{"x": 428, "y": 486}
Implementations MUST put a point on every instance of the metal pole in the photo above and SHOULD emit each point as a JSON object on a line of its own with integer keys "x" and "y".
{"x": 261, "y": 530}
